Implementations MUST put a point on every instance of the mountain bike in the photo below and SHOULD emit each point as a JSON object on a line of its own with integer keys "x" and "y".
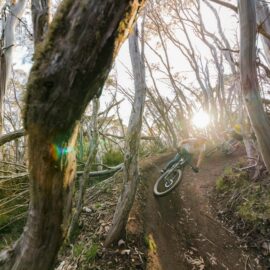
{"x": 171, "y": 178}
{"x": 226, "y": 148}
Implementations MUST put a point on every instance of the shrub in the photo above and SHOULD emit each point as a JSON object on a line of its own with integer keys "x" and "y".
{"x": 113, "y": 157}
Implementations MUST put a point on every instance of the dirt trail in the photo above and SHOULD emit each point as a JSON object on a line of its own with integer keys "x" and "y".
{"x": 186, "y": 234}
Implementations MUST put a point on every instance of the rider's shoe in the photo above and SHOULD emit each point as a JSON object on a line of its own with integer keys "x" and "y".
{"x": 162, "y": 171}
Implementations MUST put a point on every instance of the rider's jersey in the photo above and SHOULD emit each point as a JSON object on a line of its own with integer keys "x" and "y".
{"x": 193, "y": 146}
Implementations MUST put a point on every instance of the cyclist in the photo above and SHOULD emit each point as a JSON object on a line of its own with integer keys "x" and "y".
{"x": 187, "y": 149}
{"x": 236, "y": 133}
{"x": 236, "y": 137}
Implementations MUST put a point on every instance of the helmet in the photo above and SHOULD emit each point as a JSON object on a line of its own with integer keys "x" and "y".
{"x": 237, "y": 128}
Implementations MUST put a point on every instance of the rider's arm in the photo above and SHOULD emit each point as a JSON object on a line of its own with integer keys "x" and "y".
{"x": 200, "y": 158}
{"x": 189, "y": 140}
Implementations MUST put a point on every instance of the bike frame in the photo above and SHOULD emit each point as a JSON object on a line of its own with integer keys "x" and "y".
{"x": 179, "y": 165}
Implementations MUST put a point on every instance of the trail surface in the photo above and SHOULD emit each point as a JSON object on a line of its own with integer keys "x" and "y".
{"x": 186, "y": 233}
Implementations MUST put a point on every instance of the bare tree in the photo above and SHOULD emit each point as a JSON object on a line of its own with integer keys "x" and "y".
{"x": 131, "y": 177}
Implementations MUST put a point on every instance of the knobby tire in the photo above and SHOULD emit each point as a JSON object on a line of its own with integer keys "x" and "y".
{"x": 163, "y": 177}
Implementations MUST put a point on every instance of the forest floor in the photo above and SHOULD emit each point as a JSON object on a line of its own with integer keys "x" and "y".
{"x": 175, "y": 232}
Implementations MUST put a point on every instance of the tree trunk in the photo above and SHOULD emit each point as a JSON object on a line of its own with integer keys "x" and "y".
{"x": 131, "y": 178}
{"x": 15, "y": 10}
{"x": 263, "y": 21}
{"x": 40, "y": 18}
{"x": 69, "y": 69}
{"x": 249, "y": 80}
{"x": 85, "y": 177}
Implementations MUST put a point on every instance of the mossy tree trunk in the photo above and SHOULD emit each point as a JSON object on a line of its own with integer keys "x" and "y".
{"x": 70, "y": 68}
{"x": 249, "y": 80}
{"x": 131, "y": 176}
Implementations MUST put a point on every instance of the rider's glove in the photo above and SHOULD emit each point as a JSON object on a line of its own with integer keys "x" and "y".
{"x": 195, "y": 169}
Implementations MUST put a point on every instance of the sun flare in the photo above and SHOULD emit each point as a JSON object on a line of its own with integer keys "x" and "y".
{"x": 201, "y": 119}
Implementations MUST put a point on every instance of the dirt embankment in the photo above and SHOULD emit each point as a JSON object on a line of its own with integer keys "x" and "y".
{"x": 181, "y": 228}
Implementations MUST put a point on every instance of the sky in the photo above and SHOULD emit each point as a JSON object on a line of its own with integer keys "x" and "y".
{"x": 229, "y": 22}
{"x": 22, "y": 59}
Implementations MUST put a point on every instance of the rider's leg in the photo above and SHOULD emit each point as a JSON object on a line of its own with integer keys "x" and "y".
{"x": 188, "y": 157}
{"x": 171, "y": 162}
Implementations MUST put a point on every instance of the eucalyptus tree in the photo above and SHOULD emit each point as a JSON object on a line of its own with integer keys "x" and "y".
{"x": 12, "y": 12}
{"x": 131, "y": 172}
{"x": 69, "y": 69}
{"x": 249, "y": 80}
{"x": 263, "y": 21}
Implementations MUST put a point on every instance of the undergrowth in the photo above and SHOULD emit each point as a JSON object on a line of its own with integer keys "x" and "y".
{"x": 245, "y": 206}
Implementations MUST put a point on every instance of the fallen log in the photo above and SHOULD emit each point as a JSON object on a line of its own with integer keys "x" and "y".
{"x": 110, "y": 170}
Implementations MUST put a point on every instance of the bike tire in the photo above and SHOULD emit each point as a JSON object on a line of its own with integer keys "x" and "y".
{"x": 176, "y": 180}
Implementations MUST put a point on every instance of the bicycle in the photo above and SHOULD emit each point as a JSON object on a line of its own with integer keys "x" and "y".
{"x": 171, "y": 178}
{"x": 227, "y": 148}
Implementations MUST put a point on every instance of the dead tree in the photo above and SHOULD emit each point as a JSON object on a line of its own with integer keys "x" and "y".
{"x": 131, "y": 177}
{"x": 249, "y": 80}
{"x": 69, "y": 69}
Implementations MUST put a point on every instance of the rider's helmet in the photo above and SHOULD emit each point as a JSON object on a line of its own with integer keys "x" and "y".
{"x": 237, "y": 128}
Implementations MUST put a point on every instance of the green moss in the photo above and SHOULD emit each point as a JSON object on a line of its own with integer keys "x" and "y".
{"x": 98, "y": 205}
{"x": 150, "y": 243}
{"x": 247, "y": 200}
{"x": 78, "y": 249}
{"x": 227, "y": 171}
{"x": 91, "y": 253}
{"x": 221, "y": 184}
{"x": 256, "y": 206}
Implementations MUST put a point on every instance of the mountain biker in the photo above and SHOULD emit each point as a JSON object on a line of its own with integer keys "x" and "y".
{"x": 235, "y": 138}
{"x": 236, "y": 132}
{"x": 187, "y": 149}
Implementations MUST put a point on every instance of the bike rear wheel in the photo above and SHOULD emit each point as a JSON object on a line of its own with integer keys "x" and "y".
{"x": 167, "y": 182}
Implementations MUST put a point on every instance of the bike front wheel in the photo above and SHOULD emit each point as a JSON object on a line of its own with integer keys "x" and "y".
{"x": 167, "y": 182}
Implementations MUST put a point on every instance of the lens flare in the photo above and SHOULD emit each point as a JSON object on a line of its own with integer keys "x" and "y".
{"x": 57, "y": 152}
{"x": 201, "y": 119}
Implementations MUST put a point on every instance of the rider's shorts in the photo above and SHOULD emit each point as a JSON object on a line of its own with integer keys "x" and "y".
{"x": 185, "y": 154}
